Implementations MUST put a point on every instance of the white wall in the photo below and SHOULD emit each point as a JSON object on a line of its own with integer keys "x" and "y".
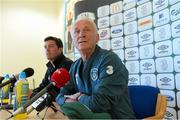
{"x": 25, "y": 24}
{"x": 0, "y": 38}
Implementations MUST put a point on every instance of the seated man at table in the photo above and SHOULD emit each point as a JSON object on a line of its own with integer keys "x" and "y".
{"x": 99, "y": 80}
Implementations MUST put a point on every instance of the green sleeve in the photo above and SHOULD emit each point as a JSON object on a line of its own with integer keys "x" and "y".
{"x": 113, "y": 80}
{"x": 68, "y": 89}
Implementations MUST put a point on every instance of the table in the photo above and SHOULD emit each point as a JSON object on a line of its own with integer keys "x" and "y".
{"x": 50, "y": 115}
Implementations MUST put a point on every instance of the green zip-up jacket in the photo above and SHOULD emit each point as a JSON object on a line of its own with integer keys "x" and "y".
{"x": 104, "y": 80}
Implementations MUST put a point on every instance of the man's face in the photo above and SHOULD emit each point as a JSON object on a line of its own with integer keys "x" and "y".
{"x": 52, "y": 50}
{"x": 84, "y": 36}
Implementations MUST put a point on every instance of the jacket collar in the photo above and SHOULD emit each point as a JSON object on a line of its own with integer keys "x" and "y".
{"x": 56, "y": 62}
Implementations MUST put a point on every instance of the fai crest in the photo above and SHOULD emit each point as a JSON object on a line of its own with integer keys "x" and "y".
{"x": 94, "y": 74}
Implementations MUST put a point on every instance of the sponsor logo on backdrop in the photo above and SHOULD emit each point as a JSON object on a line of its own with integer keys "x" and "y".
{"x": 165, "y": 80}
{"x": 103, "y": 22}
{"x": 141, "y": 1}
{"x": 105, "y": 44}
{"x": 103, "y": 11}
{"x": 144, "y": 10}
{"x": 130, "y": 28}
{"x": 128, "y": 4}
{"x": 175, "y": 12}
{"x": 148, "y": 80}
{"x": 159, "y": 5}
{"x": 117, "y": 31}
{"x": 168, "y": 114}
{"x": 164, "y": 64}
{"x": 176, "y": 28}
{"x": 177, "y": 63}
{"x": 147, "y": 66}
{"x": 104, "y": 33}
{"x": 130, "y": 43}
{"x": 116, "y": 19}
{"x": 173, "y": 1}
{"x": 176, "y": 46}
{"x": 131, "y": 53}
{"x": 178, "y": 98}
{"x": 145, "y": 37}
{"x": 133, "y": 79}
{"x": 145, "y": 23}
{"x": 169, "y": 98}
{"x": 130, "y": 15}
{"x": 133, "y": 66}
{"x": 163, "y": 48}
{"x": 116, "y": 7}
{"x": 146, "y": 51}
{"x": 131, "y": 40}
{"x": 161, "y": 17}
{"x": 162, "y": 33}
{"x": 117, "y": 43}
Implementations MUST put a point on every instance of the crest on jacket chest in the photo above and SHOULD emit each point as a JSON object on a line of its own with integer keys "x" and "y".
{"x": 94, "y": 74}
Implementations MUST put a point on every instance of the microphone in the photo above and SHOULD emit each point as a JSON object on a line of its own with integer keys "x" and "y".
{"x": 58, "y": 79}
{"x": 6, "y": 107}
{"x": 1, "y": 79}
{"x": 38, "y": 104}
{"x": 28, "y": 71}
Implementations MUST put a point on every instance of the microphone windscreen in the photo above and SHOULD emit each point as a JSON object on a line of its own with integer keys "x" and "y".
{"x": 60, "y": 77}
{"x": 29, "y": 72}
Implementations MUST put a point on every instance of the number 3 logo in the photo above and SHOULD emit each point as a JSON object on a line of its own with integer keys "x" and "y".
{"x": 109, "y": 70}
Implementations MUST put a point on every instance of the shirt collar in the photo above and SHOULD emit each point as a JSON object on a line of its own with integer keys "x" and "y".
{"x": 56, "y": 62}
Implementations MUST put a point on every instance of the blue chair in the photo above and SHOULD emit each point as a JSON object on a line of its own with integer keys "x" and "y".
{"x": 147, "y": 102}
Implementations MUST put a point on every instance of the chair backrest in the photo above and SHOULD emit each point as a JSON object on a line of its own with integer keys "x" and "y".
{"x": 143, "y": 100}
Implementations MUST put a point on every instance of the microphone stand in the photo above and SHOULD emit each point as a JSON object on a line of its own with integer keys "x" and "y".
{"x": 8, "y": 106}
{"x": 1, "y": 96}
{"x": 11, "y": 92}
{"x": 58, "y": 110}
{"x": 51, "y": 105}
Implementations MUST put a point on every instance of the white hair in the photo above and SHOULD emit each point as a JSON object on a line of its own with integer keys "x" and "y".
{"x": 91, "y": 21}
